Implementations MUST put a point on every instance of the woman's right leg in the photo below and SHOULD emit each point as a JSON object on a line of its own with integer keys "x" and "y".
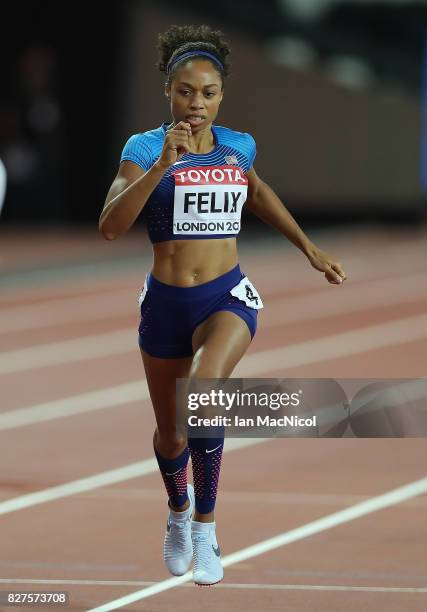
{"x": 172, "y": 455}
{"x": 170, "y": 448}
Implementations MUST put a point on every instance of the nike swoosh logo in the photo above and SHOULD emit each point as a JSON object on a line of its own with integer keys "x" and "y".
{"x": 173, "y": 473}
{"x": 216, "y": 550}
{"x": 212, "y": 449}
{"x": 180, "y": 162}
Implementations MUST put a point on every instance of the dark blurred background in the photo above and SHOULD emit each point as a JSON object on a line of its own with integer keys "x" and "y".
{"x": 332, "y": 91}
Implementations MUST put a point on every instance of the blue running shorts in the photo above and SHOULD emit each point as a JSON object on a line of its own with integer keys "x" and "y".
{"x": 170, "y": 314}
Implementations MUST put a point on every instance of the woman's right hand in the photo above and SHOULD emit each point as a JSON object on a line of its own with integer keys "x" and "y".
{"x": 176, "y": 144}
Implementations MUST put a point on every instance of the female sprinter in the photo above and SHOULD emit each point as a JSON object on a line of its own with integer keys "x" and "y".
{"x": 198, "y": 310}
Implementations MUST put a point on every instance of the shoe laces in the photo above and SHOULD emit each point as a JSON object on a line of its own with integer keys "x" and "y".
{"x": 203, "y": 551}
{"x": 180, "y": 529}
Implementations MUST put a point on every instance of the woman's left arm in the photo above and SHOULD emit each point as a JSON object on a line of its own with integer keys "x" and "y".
{"x": 265, "y": 204}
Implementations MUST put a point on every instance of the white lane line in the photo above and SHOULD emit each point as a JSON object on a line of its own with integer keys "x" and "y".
{"x": 373, "y": 337}
{"x": 282, "y": 311}
{"x": 246, "y": 497}
{"x": 19, "y": 296}
{"x": 395, "y": 496}
{"x": 133, "y": 470}
{"x": 223, "y": 585}
{"x": 321, "y": 587}
{"x": 127, "y": 472}
{"x": 16, "y": 283}
{"x": 119, "y": 395}
{"x": 355, "y": 259}
{"x": 60, "y": 311}
{"x": 356, "y": 297}
{"x": 69, "y": 351}
{"x": 399, "y": 331}
{"x": 79, "y": 582}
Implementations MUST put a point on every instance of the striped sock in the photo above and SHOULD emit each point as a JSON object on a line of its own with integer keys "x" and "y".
{"x": 174, "y": 474}
{"x": 206, "y": 455}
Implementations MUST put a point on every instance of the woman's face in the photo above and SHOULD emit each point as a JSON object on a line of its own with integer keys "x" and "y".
{"x": 195, "y": 94}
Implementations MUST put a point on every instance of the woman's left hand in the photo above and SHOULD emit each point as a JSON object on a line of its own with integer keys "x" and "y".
{"x": 325, "y": 263}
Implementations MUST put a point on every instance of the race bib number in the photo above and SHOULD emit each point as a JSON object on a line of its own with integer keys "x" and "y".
{"x": 246, "y": 292}
{"x": 209, "y": 200}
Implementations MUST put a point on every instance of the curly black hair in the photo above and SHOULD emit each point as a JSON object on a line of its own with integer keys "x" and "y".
{"x": 180, "y": 39}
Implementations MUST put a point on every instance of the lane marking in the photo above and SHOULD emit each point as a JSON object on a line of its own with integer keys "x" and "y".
{"x": 102, "y": 479}
{"x": 13, "y": 282}
{"x": 118, "y": 395}
{"x": 69, "y": 351}
{"x": 372, "y": 244}
{"x": 391, "y": 332}
{"x": 223, "y": 585}
{"x": 373, "y": 504}
{"x": 77, "y": 566}
{"x": 357, "y": 297}
{"x": 373, "y": 337}
{"x": 61, "y": 310}
{"x": 252, "y": 364}
{"x": 246, "y": 497}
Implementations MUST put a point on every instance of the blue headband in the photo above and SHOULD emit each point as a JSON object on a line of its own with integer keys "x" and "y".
{"x": 186, "y": 54}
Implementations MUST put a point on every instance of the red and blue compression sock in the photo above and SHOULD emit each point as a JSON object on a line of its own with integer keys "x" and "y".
{"x": 206, "y": 455}
{"x": 174, "y": 474}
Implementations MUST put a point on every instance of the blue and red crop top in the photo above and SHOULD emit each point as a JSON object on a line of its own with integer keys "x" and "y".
{"x": 201, "y": 195}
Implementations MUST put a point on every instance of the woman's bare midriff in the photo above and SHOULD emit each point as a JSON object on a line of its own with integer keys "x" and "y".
{"x": 186, "y": 263}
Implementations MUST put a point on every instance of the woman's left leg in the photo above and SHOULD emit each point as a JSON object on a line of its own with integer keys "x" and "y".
{"x": 218, "y": 343}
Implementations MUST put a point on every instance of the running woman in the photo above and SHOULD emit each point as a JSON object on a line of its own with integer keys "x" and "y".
{"x": 191, "y": 178}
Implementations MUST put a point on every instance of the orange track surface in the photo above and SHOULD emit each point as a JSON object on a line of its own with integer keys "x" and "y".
{"x": 61, "y": 293}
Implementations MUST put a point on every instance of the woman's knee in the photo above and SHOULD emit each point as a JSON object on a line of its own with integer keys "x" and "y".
{"x": 207, "y": 371}
{"x": 206, "y": 366}
{"x": 219, "y": 343}
{"x": 169, "y": 442}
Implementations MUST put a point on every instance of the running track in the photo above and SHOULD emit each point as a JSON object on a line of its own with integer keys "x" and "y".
{"x": 82, "y": 505}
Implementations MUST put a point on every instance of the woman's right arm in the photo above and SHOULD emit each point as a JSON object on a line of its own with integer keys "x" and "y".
{"x": 133, "y": 186}
{"x": 127, "y": 197}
